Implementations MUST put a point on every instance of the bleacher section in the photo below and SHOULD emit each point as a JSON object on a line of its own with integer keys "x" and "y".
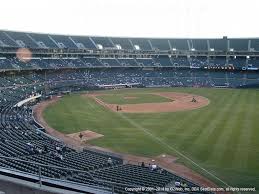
{"x": 199, "y": 44}
{"x": 253, "y": 62}
{"x": 130, "y": 62}
{"x": 110, "y": 62}
{"x": 92, "y": 61}
{"x": 63, "y": 41}
{"x": 237, "y": 62}
{"x": 218, "y": 44}
{"x": 160, "y": 44}
{"x": 180, "y": 61}
{"x": 104, "y": 42}
{"x": 198, "y": 62}
{"x": 43, "y": 40}
{"x": 83, "y": 42}
{"x": 143, "y": 44}
{"x": 254, "y": 45}
{"x": 109, "y": 76}
{"x": 5, "y": 63}
{"x": 163, "y": 61}
{"x": 238, "y": 44}
{"x": 123, "y": 42}
{"x": 135, "y": 48}
{"x": 6, "y": 41}
{"x": 217, "y": 62}
{"x": 179, "y": 44}
{"x": 145, "y": 62}
{"x": 33, "y": 40}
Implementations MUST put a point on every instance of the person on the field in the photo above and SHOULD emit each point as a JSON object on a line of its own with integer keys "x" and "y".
{"x": 193, "y": 99}
{"x": 80, "y": 136}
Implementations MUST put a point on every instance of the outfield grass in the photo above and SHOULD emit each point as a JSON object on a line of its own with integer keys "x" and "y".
{"x": 222, "y": 137}
{"x": 135, "y": 98}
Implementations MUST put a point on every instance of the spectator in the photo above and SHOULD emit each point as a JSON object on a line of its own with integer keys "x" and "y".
{"x": 39, "y": 151}
{"x": 110, "y": 162}
{"x": 58, "y": 149}
{"x": 45, "y": 148}
{"x": 64, "y": 149}
{"x": 177, "y": 183}
{"x": 153, "y": 167}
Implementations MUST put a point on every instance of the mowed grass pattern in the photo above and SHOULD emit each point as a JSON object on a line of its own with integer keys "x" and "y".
{"x": 135, "y": 98}
{"x": 222, "y": 137}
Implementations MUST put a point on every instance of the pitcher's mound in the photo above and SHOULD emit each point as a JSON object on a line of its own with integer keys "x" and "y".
{"x": 86, "y": 135}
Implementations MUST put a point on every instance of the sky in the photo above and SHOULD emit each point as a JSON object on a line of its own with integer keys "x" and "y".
{"x": 133, "y": 18}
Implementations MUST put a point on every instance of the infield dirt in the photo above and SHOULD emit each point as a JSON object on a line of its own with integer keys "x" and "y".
{"x": 180, "y": 102}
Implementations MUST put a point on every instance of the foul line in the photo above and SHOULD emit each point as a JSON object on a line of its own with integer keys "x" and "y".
{"x": 170, "y": 147}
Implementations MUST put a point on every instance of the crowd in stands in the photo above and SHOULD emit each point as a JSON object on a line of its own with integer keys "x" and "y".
{"x": 146, "y": 78}
{"x": 202, "y": 62}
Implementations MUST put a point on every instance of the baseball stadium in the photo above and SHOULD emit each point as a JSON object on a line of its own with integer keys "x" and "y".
{"x": 106, "y": 114}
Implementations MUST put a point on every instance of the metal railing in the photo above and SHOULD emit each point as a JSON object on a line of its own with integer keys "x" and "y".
{"x": 41, "y": 178}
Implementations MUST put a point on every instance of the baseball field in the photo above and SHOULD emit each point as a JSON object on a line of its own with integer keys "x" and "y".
{"x": 217, "y": 136}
